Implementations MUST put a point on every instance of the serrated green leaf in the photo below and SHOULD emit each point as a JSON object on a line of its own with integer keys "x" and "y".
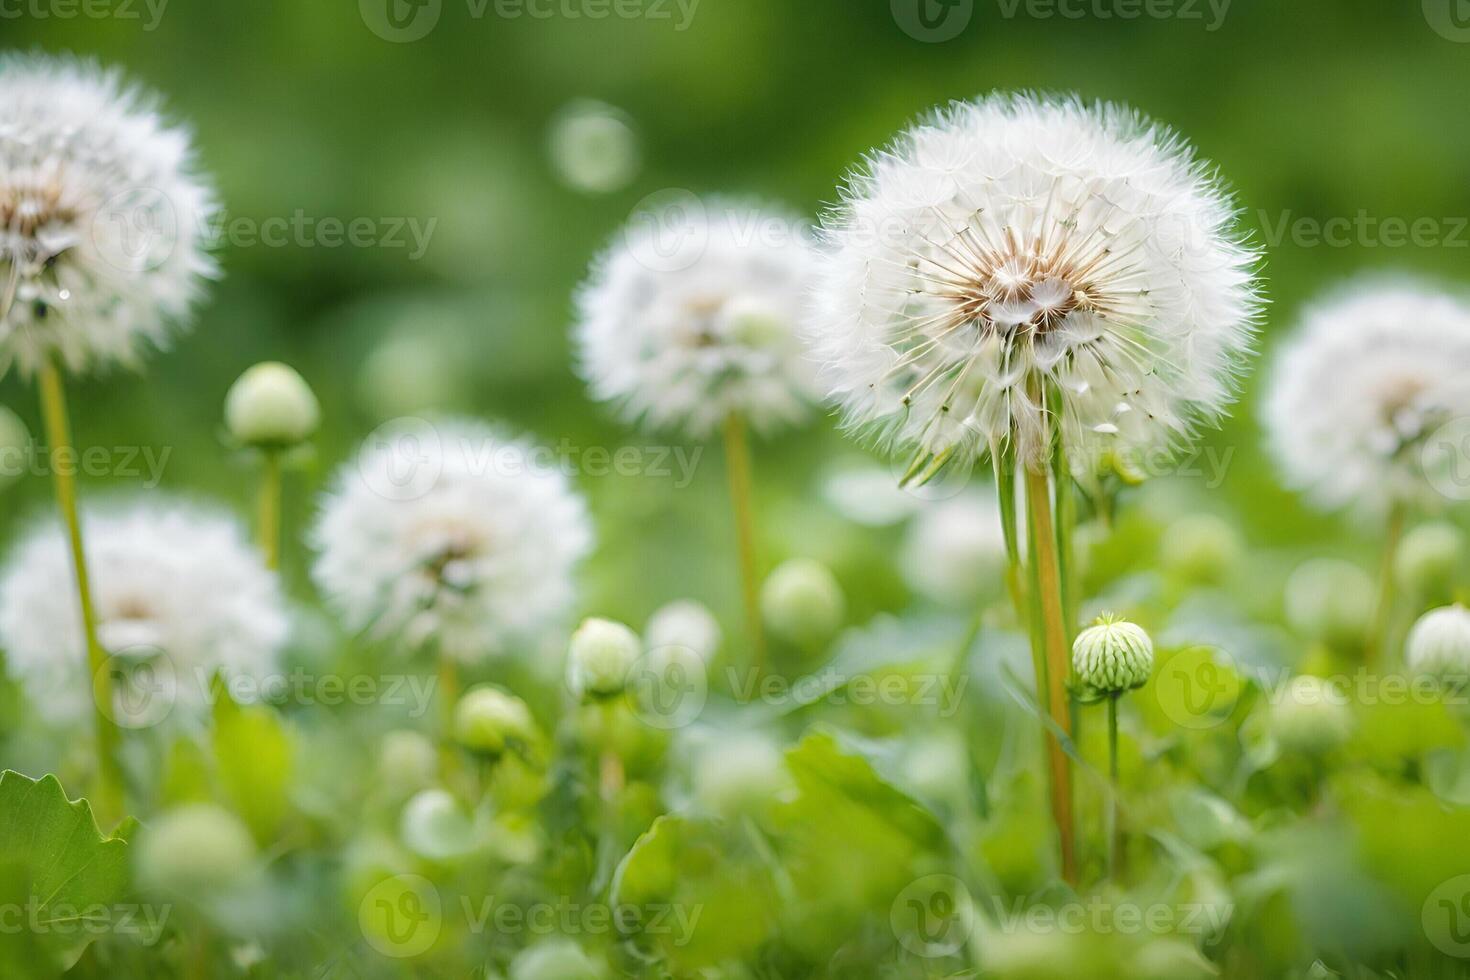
{"x": 58, "y": 867}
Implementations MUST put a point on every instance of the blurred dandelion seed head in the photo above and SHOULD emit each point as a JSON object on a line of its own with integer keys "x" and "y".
{"x": 103, "y": 217}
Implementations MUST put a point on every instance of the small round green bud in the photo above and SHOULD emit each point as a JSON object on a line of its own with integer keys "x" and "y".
{"x": 15, "y": 446}
{"x": 801, "y": 602}
{"x": 407, "y": 761}
{"x": 435, "y": 826}
{"x": 272, "y": 407}
{"x": 1429, "y": 557}
{"x": 1439, "y": 644}
{"x": 601, "y": 656}
{"x": 194, "y": 850}
{"x": 1200, "y": 548}
{"x": 487, "y": 719}
{"x": 1310, "y": 717}
{"x": 687, "y": 624}
{"x": 1113, "y": 656}
{"x": 555, "y": 959}
{"x": 739, "y": 775}
{"x": 1330, "y": 599}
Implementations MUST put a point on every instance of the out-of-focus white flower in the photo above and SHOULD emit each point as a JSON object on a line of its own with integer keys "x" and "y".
{"x": 450, "y": 534}
{"x": 1016, "y": 245}
{"x": 102, "y": 217}
{"x": 1439, "y": 644}
{"x": 179, "y": 592}
{"x": 687, "y": 624}
{"x": 194, "y": 851}
{"x": 487, "y": 720}
{"x": 956, "y": 549}
{"x": 1372, "y": 371}
{"x": 593, "y": 147}
{"x": 693, "y": 315}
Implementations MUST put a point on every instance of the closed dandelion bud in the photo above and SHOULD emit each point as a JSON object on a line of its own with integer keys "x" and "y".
{"x": 1429, "y": 558}
{"x": 407, "y": 761}
{"x": 272, "y": 407}
{"x": 1200, "y": 548}
{"x": 1112, "y": 656}
{"x": 1439, "y": 644}
{"x": 602, "y": 655}
{"x": 687, "y": 624}
{"x": 15, "y": 443}
{"x": 801, "y": 602}
{"x": 194, "y": 850}
{"x": 1310, "y": 717}
{"x": 1330, "y": 599}
{"x": 487, "y": 720}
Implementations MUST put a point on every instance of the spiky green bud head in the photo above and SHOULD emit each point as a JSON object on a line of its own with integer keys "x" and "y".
{"x": 1112, "y": 656}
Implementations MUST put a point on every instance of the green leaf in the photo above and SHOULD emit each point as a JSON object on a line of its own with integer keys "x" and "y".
{"x": 255, "y": 754}
{"x": 58, "y": 870}
{"x": 696, "y": 893}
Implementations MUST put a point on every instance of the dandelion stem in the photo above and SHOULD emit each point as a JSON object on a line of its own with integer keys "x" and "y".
{"x": 1115, "y": 830}
{"x": 1377, "y": 638}
{"x": 737, "y": 462}
{"x": 269, "y": 508}
{"x": 1049, "y": 634}
{"x": 109, "y": 801}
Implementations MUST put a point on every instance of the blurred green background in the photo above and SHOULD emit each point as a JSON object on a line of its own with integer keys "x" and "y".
{"x": 1313, "y": 109}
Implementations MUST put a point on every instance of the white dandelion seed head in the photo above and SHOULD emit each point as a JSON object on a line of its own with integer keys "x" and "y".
{"x": 102, "y": 217}
{"x": 179, "y": 591}
{"x": 955, "y": 551}
{"x": 694, "y": 314}
{"x": 1016, "y": 245}
{"x": 1372, "y": 371}
{"x": 476, "y": 559}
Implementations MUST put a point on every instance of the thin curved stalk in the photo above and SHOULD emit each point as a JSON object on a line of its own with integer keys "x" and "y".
{"x": 1377, "y": 638}
{"x": 268, "y": 509}
{"x": 109, "y": 789}
{"x": 1115, "y": 830}
{"x": 737, "y": 463}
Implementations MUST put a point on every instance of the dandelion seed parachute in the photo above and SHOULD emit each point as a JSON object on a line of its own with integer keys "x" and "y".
{"x": 1016, "y": 245}
{"x": 102, "y": 217}
{"x": 1371, "y": 372}
{"x": 681, "y": 338}
{"x": 477, "y": 559}
{"x": 174, "y": 583}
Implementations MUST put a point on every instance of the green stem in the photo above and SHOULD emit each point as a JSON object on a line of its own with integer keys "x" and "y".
{"x": 1049, "y": 629}
{"x": 449, "y": 757}
{"x": 269, "y": 508}
{"x": 1377, "y": 638}
{"x": 1115, "y": 831}
{"x": 108, "y": 800}
{"x": 1004, "y": 458}
{"x": 737, "y": 463}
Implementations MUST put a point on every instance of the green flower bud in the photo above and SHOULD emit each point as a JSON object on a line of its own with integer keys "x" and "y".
{"x": 270, "y": 406}
{"x": 1330, "y": 599}
{"x": 1429, "y": 558}
{"x": 1439, "y": 644}
{"x": 1112, "y": 656}
{"x": 601, "y": 656}
{"x": 194, "y": 850}
{"x": 801, "y": 602}
{"x": 435, "y": 826}
{"x": 15, "y": 444}
{"x": 1310, "y": 717}
{"x": 1200, "y": 548}
{"x": 555, "y": 959}
{"x": 739, "y": 775}
{"x": 487, "y": 720}
{"x": 407, "y": 761}
{"x": 687, "y": 624}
